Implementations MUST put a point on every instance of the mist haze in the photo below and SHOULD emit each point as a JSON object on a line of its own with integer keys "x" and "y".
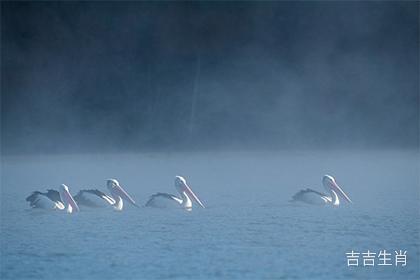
{"x": 137, "y": 76}
{"x": 251, "y": 102}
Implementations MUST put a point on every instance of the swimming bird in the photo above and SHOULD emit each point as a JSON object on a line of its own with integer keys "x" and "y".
{"x": 52, "y": 199}
{"x": 164, "y": 200}
{"x": 318, "y": 198}
{"x": 96, "y": 198}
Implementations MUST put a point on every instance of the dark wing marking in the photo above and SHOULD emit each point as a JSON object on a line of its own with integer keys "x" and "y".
{"x": 53, "y": 195}
{"x": 34, "y": 197}
{"x": 82, "y": 200}
{"x": 164, "y": 195}
{"x": 95, "y": 192}
{"x": 301, "y": 193}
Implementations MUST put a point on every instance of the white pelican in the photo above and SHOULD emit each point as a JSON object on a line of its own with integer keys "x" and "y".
{"x": 52, "y": 199}
{"x": 96, "y": 198}
{"x": 314, "y": 197}
{"x": 163, "y": 200}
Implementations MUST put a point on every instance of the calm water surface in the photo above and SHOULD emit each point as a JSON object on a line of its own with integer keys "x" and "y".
{"x": 249, "y": 230}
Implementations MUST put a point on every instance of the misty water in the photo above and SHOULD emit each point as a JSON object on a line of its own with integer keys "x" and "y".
{"x": 249, "y": 228}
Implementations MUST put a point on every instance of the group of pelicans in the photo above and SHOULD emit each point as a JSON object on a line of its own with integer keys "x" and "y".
{"x": 63, "y": 200}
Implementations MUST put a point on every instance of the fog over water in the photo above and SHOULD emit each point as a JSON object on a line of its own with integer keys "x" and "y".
{"x": 249, "y": 229}
{"x": 192, "y": 76}
{"x": 249, "y": 101}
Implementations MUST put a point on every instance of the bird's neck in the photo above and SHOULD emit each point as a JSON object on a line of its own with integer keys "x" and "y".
{"x": 118, "y": 205}
{"x": 334, "y": 198}
{"x": 186, "y": 201}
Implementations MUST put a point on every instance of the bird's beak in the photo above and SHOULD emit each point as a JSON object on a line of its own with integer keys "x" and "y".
{"x": 340, "y": 192}
{"x": 192, "y": 194}
{"x": 69, "y": 201}
{"x": 124, "y": 195}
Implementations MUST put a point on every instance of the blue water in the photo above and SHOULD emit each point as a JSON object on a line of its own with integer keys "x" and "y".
{"x": 249, "y": 230}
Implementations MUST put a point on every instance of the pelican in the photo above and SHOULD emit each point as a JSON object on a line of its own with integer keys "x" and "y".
{"x": 52, "y": 199}
{"x": 317, "y": 198}
{"x": 96, "y": 198}
{"x": 163, "y": 200}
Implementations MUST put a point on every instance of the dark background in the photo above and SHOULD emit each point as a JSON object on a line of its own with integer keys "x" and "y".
{"x": 136, "y": 76}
